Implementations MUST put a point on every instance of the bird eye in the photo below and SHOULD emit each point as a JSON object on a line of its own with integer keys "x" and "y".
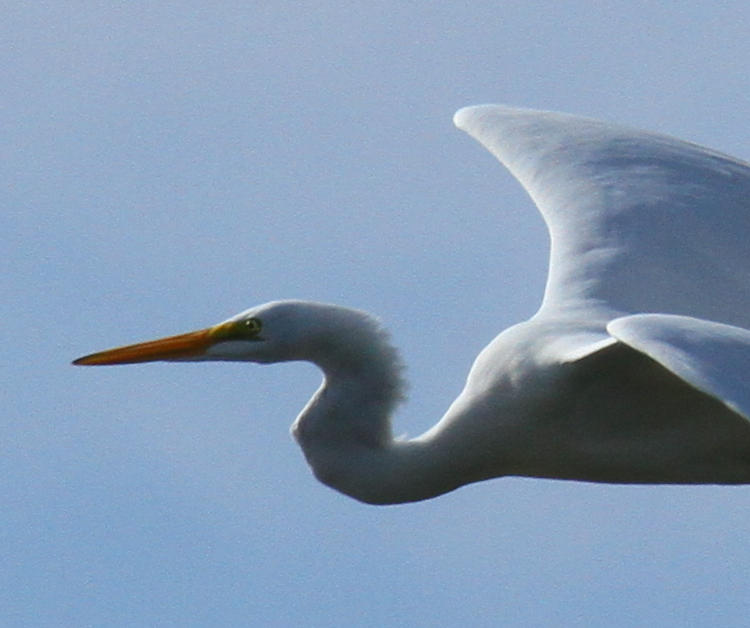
{"x": 251, "y": 326}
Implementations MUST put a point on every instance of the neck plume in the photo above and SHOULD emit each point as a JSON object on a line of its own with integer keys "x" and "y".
{"x": 345, "y": 428}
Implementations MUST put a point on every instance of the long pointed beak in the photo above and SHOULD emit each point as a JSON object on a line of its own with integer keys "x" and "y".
{"x": 183, "y": 346}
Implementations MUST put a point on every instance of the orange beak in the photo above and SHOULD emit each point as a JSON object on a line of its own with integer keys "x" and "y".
{"x": 187, "y": 345}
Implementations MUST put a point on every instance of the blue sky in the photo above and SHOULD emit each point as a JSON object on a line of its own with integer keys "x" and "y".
{"x": 169, "y": 164}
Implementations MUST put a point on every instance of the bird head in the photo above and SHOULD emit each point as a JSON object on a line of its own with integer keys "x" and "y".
{"x": 280, "y": 331}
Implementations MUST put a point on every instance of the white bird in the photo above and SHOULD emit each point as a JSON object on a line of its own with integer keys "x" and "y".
{"x": 635, "y": 369}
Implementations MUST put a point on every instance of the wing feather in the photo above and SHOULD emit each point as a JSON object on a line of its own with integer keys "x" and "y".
{"x": 712, "y": 357}
{"x": 638, "y": 222}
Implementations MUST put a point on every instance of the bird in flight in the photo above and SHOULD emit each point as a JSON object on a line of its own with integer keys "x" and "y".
{"x": 635, "y": 369}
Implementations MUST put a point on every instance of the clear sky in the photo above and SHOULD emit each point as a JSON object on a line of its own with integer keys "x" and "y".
{"x": 165, "y": 165}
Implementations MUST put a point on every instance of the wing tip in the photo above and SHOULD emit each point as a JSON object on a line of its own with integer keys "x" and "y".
{"x": 463, "y": 116}
{"x": 473, "y": 118}
{"x": 467, "y": 117}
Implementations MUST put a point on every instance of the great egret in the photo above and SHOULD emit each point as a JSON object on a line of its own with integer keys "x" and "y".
{"x": 634, "y": 370}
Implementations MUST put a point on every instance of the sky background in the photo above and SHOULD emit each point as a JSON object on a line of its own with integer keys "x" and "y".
{"x": 166, "y": 165}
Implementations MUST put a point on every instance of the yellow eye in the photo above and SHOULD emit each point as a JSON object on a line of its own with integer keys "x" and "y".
{"x": 247, "y": 329}
{"x": 251, "y": 326}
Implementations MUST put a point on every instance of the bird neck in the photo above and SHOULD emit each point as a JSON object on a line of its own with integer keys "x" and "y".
{"x": 345, "y": 430}
{"x": 345, "y": 435}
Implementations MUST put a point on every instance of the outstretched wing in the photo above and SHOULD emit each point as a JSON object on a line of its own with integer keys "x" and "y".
{"x": 712, "y": 357}
{"x": 638, "y": 222}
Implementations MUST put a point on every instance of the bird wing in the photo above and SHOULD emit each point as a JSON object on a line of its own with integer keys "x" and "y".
{"x": 712, "y": 357}
{"x": 638, "y": 222}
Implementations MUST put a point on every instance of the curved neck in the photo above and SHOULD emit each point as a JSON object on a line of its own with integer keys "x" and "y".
{"x": 345, "y": 428}
{"x": 345, "y": 434}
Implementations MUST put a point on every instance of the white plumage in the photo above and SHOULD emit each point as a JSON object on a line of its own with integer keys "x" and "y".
{"x": 634, "y": 369}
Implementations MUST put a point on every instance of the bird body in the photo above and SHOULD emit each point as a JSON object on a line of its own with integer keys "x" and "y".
{"x": 634, "y": 369}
